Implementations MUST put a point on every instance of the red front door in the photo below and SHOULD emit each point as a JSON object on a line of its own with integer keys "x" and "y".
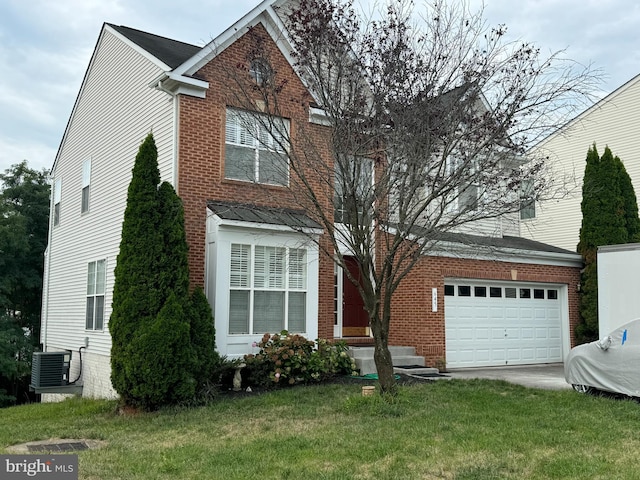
{"x": 355, "y": 321}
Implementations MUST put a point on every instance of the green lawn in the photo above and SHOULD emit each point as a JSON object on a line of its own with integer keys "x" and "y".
{"x": 441, "y": 430}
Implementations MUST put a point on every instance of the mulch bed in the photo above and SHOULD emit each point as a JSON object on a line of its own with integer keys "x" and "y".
{"x": 401, "y": 379}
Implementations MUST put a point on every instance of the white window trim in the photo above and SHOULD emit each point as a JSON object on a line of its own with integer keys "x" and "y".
{"x": 367, "y": 167}
{"x": 95, "y": 294}
{"x": 220, "y": 238}
{"x": 270, "y": 283}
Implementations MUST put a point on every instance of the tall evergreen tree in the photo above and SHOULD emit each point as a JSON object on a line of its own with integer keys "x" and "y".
{"x": 156, "y": 357}
{"x": 609, "y": 217}
{"x": 136, "y": 299}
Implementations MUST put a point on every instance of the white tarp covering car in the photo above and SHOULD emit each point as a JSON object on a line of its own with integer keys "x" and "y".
{"x": 611, "y": 364}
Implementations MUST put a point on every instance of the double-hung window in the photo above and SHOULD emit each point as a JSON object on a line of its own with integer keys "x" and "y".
{"x": 57, "y": 192}
{"x": 95, "y": 295}
{"x": 86, "y": 186}
{"x": 268, "y": 289}
{"x": 256, "y": 148}
{"x": 527, "y": 201}
{"x": 464, "y": 197}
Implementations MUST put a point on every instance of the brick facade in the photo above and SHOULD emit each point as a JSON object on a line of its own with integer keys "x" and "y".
{"x": 201, "y": 153}
{"x": 201, "y": 178}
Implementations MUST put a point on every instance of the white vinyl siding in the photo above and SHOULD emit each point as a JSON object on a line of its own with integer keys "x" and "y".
{"x": 114, "y": 112}
{"x": 611, "y": 122}
{"x": 252, "y": 152}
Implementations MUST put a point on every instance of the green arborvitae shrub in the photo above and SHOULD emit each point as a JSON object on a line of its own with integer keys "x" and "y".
{"x": 161, "y": 363}
{"x": 155, "y": 358}
{"x": 609, "y": 217}
{"x": 136, "y": 299}
{"x": 629, "y": 203}
{"x": 203, "y": 338}
{"x": 173, "y": 274}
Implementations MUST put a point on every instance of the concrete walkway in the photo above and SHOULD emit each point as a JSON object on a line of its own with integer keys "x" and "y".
{"x": 548, "y": 376}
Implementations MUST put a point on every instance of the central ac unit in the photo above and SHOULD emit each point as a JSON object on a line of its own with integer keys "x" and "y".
{"x": 50, "y": 369}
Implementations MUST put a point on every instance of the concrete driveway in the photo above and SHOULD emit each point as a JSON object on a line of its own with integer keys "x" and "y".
{"x": 547, "y": 376}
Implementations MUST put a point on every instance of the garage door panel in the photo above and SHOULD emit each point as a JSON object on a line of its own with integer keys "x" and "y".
{"x": 511, "y": 313}
{"x": 487, "y": 331}
{"x": 497, "y": 334}
{"x": 482, "y": 333}
{"x": 527, "y": 333}
{"x": 528, "y": 355}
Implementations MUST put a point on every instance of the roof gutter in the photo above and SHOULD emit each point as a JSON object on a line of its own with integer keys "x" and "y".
{"x": 175, "y": 84}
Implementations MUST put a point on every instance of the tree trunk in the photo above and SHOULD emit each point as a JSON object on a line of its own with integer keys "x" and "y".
{"x": 383, "y": 360}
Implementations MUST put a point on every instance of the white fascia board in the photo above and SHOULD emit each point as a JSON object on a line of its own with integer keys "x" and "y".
{"x": 139, "y": 49}
{"x": 533, "y": 257}
{"x": 126, "y": 41}
{"x": 264, "y": 14}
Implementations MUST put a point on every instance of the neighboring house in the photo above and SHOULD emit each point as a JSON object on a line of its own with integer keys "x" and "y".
{"x": 610, "y": 122}
{"x": 478, "y": 301}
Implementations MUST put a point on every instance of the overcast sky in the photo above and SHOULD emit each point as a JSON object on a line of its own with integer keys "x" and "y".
{"x": 46, "y": 45}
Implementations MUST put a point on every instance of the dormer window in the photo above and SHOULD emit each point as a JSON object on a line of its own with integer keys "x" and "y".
{"x": 261, "y": 72}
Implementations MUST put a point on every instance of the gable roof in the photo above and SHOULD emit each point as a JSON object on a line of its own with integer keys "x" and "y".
{"x": 171, "y": 52}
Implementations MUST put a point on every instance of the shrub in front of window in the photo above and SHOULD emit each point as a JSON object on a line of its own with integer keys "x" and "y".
{"x": 285, "y": 359}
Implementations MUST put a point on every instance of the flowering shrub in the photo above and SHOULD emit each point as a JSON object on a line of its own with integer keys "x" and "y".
{"x": 286, "y": 359}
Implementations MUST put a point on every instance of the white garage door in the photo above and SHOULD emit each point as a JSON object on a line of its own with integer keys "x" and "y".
{"x": 491, "y": 324}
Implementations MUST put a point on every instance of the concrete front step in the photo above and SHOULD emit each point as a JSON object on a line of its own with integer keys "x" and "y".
{"x": 401, "y": 356}
{"x": 366, "y": 352}
{"x": 416, "y": 370}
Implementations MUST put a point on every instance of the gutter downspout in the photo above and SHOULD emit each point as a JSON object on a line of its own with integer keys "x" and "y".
{"x": 44, "y": 315}
{"x": 176, "y": 111}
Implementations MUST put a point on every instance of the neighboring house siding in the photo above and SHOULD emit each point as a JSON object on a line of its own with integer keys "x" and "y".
{"x": 612, "y": 122}
{"x": 415, "y": 324}
{"x": 493, "y": 227}
{"x": 114, "y": 112}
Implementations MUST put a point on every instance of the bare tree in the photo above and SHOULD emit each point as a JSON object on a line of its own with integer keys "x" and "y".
{"x": 429, "y": 116}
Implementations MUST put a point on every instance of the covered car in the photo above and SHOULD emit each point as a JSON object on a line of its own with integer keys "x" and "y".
{"x": 611, "y": 364}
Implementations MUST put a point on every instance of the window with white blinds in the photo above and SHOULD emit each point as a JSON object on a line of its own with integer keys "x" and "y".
{"x": 256, "y": 148}
{"x": 267, "y": 289}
